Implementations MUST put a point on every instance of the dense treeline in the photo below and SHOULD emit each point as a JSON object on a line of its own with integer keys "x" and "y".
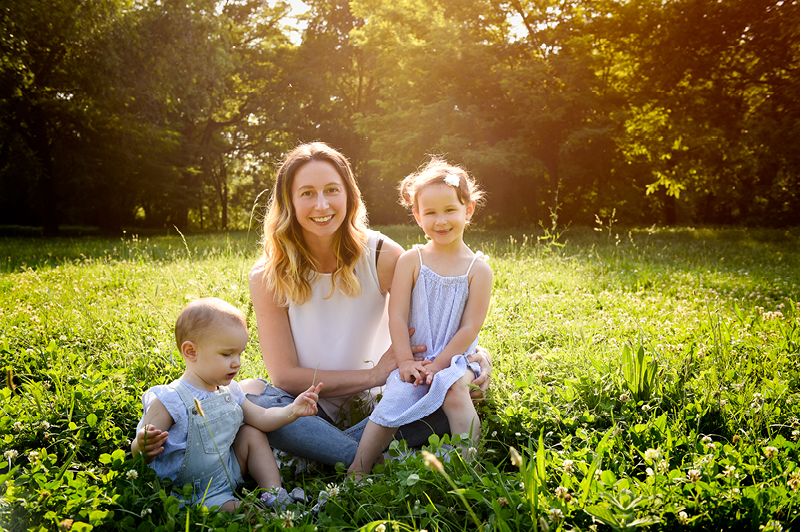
{"x": 162, "y": 112}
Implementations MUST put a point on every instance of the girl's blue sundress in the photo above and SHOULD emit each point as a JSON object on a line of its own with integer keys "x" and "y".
{"x": 437, "y": 304}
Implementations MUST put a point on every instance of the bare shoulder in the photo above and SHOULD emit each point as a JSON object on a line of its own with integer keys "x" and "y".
{"x": 481, "y": 269}
{"x": 257, "y": 270}
{"x": 387, "y": 261}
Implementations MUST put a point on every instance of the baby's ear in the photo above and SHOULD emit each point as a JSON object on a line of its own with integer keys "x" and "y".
{"x": 189, "y": 350}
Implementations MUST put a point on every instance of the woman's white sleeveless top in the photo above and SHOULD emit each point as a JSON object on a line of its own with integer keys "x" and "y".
{"x": 337, "y": 332}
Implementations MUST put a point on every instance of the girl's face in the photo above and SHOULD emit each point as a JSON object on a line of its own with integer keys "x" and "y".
{"x": 441, "y": 215}
{"x": 319, "y": 198}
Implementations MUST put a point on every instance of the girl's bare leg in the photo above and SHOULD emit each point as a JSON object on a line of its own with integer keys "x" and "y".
{"x": 460, "y": 410}
{"x": 373, "y": 442}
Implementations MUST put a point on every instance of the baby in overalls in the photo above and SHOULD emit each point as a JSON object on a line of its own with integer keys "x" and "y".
{"x": 192, "y": 429}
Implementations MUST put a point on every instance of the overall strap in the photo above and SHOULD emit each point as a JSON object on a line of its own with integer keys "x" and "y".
{"x": 186, "y": 396}
{"x": 478, "y": 254}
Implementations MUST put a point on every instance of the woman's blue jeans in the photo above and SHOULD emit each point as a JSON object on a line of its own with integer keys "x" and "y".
{"x": 315, "y": 437}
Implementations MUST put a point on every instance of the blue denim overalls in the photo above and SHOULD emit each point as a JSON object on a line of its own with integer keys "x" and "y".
{"x": 201, "y": 462}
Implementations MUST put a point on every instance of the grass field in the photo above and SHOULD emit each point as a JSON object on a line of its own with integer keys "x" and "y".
{"x": 642, "y": 378}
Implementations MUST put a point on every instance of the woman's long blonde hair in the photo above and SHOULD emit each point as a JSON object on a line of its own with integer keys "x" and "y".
{"x": 289, "y": 267}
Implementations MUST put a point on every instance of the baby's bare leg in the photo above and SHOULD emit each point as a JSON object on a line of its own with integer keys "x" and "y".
{"x": 373, "y": 442}
{"x": 460, "y": 410}
{"x": 255, "y": 457}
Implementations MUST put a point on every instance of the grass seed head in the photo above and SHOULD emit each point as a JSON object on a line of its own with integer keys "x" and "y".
{"x": 431, "y": 462}
{"x": 199, "y": 408}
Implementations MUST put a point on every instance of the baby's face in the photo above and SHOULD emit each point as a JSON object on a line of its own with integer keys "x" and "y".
{"x": 219, "y": 353}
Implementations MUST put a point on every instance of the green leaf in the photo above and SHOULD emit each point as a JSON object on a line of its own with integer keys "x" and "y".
{"x": 91, "y": 419}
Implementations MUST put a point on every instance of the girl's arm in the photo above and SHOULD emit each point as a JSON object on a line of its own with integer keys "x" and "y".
{"x": 269, "y": 419}
{"x": 151, "y": 437}
{"x": 480, "y": 295}
{"x": 399, "y": 307}
{"x": 278, "y": 348}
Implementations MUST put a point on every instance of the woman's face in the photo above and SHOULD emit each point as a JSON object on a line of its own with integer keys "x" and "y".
{"x": 319, "y": 198}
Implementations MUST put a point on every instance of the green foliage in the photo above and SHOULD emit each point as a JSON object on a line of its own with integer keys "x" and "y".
{"x": 643, "y": 378}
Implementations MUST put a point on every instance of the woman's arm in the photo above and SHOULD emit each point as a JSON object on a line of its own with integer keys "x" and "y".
{"x": 480, "y": 295}
{"x": 280, "y": 355}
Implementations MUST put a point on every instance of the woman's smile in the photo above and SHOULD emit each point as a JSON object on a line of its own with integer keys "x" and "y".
{"x": 319, "y": 198}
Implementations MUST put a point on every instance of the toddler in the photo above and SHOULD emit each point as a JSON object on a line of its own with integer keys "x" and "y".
{"x": 192, "y": 429}
{"x": 443, "y": 292}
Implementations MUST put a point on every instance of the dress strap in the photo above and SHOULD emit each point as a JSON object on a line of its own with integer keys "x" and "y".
{"x": 478, "y": 254}
{"x": 418, "y": 248}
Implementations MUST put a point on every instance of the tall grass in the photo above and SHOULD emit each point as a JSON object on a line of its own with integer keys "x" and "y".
{"x": 645, "y": 377}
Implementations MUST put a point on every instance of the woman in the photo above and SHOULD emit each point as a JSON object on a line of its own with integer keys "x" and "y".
{"x": 319, "y": 293}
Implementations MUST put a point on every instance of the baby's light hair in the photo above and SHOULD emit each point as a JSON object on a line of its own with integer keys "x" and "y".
{"x": 197, "y": 318}
{"x": 438, "y": 171}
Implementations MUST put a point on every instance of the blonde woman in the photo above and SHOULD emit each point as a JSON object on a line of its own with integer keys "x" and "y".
{"x": 320, "y": 295}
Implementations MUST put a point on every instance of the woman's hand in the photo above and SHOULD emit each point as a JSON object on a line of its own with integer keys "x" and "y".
{"x": 484, "y": 359}
{"x": 388, "y": 361}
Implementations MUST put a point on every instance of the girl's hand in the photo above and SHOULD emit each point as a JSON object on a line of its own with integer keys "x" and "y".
{"x": 151, "y": 441}
{"x": 413, "y": 371}
{"x": 306, "y": 403}
{"x": 388, "y": 362}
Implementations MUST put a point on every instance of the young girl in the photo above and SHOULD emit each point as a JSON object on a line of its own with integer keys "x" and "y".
{"x": 443, "y": 292}
{"x": 191, "y": 430}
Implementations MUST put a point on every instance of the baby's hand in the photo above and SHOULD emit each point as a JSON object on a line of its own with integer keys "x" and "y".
{"x": 413, "y": 371}
{"x": 306, "y": 403}
{"x": 151, "y": 441}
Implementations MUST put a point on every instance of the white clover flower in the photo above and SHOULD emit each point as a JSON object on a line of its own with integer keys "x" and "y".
{"x": 598, "y": 473}
{"x": 17, "y": 426}
{"x": 561, "y": 492}
{"x": 555, "y": 515}
{"x": 132, "y": 474}
{"x": 729, "y": 471}
{"x": 795, "y": 435}
{"x": 625, "y": 397}
{"x": 568, "y": 465}
{"x": 333, "y": 490}
{"x": 33, "y": 456}
{"x": 45, "y": 425}
{"x": 651, "y": 455}
{"x": 11, "y": 454}
{"x": 380, "y": 528}
{"x": 770, "y": 451}
{"x": 683, "y": 518}
{"x": 146, "y": 511}
{"x": 693, "y": 475}
{"x": 707, "y": 439}
{"x": 646, "y": 408}
{"x": 650, "y": 472}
